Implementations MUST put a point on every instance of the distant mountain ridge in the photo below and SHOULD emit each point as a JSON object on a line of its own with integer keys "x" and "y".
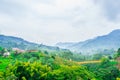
{"x": 109, "y": 41}
{"x": 15, "y": 42}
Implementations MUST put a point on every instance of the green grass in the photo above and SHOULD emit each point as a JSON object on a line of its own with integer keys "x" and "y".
{"x": 4, "y": 63}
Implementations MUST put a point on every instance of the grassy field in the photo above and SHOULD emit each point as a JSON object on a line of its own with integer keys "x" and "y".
{"x": 87, "y": 62}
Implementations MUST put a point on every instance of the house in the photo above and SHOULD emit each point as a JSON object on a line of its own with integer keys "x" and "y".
{"x": 6, "y": 54}
{"x": 18, "y": 50}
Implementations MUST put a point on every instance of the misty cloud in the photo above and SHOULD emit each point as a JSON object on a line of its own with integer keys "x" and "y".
{"x": 52, "y": 21}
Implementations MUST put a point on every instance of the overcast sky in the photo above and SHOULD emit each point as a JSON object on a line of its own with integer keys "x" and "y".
{"x": 52, "y": 21}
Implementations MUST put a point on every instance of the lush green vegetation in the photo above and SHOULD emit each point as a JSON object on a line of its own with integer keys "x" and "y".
{"x": 3, "y": 63}
{"x": 62, "y": 65}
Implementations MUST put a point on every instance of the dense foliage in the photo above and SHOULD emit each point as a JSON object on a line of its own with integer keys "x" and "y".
{"x": 37, "y": 71}
{"x": 44, "y": 65}
{"x": 106, "y": 70}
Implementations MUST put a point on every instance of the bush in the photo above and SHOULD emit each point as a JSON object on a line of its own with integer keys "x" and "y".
{"x": 70, "y": 73}
{"x": 37, "y": 71}
{"x": 29, "y": 71}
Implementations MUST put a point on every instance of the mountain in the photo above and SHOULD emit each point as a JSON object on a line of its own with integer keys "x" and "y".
{"x": 109, "y": 41}
{"x": 15, "y": 42}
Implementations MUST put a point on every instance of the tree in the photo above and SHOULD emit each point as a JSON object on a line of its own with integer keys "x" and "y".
{"x": 97, "y": 56}
{"x": 27, "y": 71}
{"x": 2, "y": 51}
{"x": 118, "y": 52}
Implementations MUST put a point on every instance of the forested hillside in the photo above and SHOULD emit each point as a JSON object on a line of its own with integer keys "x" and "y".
{"x": 43, "y": 65}
{"x": 10, "y": 42}
{"x": 99, "y": 43}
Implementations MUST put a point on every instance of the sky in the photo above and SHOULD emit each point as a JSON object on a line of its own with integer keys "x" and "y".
{"x": 52, "y": 21}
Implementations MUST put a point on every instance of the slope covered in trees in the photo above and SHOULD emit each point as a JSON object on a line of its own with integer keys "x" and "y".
{"x": 42, "y": 65}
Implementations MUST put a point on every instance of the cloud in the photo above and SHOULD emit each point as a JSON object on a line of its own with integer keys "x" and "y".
{"x": 52, "y": 21}
{"x": 110, "y": 8}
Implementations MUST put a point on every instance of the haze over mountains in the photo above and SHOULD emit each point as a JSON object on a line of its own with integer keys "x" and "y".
{"x": 109, "y": 41}
{"x": 15, "y": 42}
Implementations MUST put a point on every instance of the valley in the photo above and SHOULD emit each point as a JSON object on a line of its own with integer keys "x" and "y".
{"x": 89, "y": 60}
